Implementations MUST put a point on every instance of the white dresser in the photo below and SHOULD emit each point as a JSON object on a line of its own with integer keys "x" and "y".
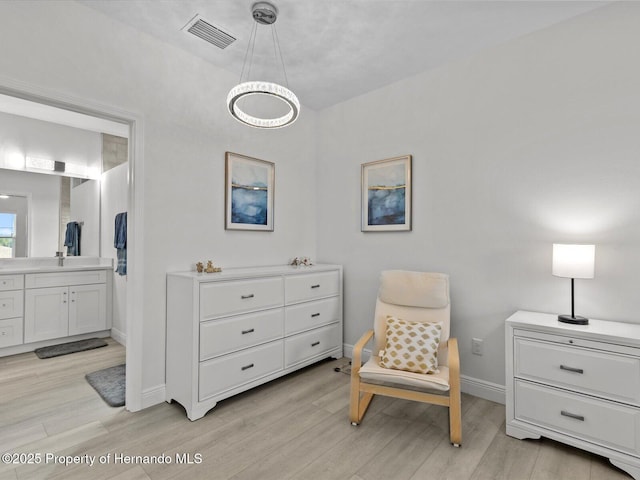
{"x": 577, "y": 384}
{"x": 228, "y": 332}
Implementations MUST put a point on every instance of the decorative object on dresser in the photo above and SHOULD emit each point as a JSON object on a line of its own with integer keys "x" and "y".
{"x": 573, "y": 261}
{"x": 412, "y": 320}
{"x": 249, "y": 191}
{"x": 301, "y": 261}
{"x": 576, "y": 384}
{"x": 386, "y": 195}
{"x": 211, "y": 269}
{"x": 233, "y": 331}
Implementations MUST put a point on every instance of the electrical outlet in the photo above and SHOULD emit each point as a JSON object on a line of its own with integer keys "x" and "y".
{"x": 477, "y": 346}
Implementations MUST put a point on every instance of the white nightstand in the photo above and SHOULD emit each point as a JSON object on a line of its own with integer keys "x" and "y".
{"x": 577, "y": 384}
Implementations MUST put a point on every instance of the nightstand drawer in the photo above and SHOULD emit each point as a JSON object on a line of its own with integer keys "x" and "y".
{"x": 598, "y": 421}
{"x": 608, "y": 375}
{"x": 300, "y": 288}
{"x": 305, "y": 316}
{"x": 237, "y": 369}
{"x": 234, "y": 333}
{"x": 220, "y": 299}
{"x": 11, "y": 303}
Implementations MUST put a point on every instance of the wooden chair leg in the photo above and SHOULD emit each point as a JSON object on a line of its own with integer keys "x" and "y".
{"x": 455, "y": 418}
{"x": 354, "y": 402}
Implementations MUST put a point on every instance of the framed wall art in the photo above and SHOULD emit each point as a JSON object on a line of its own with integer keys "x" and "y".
{"x": 386, "y": 195}
{"x": 250, "y": 185}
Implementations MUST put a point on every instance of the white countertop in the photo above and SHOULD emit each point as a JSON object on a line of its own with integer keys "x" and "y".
{"x": 47, "y": 264}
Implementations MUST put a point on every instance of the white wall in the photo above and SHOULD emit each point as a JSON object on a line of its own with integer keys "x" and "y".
{"x": 22, "y": 136}
{"x": 114, "y": 200}
{"x": 521, "y": 146}
{"x": 85, "y": 208}
{"x": 43, "y": 192}
{"x": 73, "y": 49}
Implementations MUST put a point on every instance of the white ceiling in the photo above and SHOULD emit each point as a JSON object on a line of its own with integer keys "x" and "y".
{"x": 338, "y": 49}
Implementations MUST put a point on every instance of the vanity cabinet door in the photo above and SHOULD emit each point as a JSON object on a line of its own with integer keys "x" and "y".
{"x": 87, "y": 308}
{"x": 46, "y": 313}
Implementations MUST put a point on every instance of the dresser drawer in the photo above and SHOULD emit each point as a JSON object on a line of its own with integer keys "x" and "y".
{"x": 310, "y": 286}
{"x": 598, "y": 421}
{"x": 608, "y": 375}
{"x": 230, "y": 334}
{"x": 62, "y": 279}
{"x": 305, "y": 316}
{"x": 305, "y": 346}
{"x": 224, "y": 373}
{"x": 11, "y": 332}
{"x": 226, "y": 298}
{"x": 11, "y": 282}
{"x": 11, "y": 303}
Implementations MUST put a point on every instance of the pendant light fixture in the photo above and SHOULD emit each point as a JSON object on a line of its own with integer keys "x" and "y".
{"x": 264, "y": 13}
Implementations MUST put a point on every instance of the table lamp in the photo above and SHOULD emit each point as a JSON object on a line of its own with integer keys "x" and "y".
{"x": 573, "y": 261}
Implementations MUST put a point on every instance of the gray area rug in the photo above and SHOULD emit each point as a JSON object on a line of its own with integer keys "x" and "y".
{"x": 110, "y": 384}
{"x": 71, "y": 347}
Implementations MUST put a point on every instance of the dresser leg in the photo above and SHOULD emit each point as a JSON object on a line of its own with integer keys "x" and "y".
{"x": 633, "y": 470}
{"x": 199, "y": 411}
{"x": 520, "y": 434}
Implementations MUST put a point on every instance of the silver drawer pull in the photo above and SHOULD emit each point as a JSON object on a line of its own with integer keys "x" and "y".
{"x": 251, "y": 330}
{"x": 564, "y": 413}
{"x": 315, "y": 344}
{"x": 244, "y": 297}
{"x": 315, "y": 286}
{"x": 313, "y": 315}
{"x": 247, "y": 367}
{"x": 571, "y": 369}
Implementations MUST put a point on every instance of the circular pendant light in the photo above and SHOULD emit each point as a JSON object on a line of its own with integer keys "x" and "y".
{"x": 263, "y": 13}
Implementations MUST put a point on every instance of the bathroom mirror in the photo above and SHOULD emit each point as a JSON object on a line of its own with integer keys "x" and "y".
{"x": 52, "y": 159}
{"x": 35, "y": 209}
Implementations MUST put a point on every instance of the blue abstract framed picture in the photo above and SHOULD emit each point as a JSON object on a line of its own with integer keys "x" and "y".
{"x": 249, "y": 193}
{"x": 386, "y": 195}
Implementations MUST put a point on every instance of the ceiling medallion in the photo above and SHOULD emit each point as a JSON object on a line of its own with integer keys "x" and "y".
{"x": 264, "y": 13}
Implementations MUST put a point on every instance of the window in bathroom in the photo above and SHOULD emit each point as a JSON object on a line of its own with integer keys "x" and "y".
{"x": 7, "y": 234}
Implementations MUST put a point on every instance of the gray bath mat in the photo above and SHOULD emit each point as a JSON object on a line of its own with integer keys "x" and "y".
{"x": 110, "y": 384}
{"x": 71, "y": 347}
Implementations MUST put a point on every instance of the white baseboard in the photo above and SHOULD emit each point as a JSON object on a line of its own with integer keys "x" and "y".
{"x": 153, "y": 396}
{"x": 119, "y": 337}
{"x": 483, "y": 389}
{"x": 472, "y": 386}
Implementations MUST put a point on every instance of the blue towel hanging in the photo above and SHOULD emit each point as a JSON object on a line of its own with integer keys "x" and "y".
{"x": 72, "y": 238}
{"x": 120, "y": 242}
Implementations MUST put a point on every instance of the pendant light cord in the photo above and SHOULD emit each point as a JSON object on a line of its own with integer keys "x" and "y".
{"x": 278, "y": 51}
{"x": 250, "y": 46}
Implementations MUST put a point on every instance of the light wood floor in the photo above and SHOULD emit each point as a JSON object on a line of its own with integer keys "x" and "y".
{"x": 296, "y": 427}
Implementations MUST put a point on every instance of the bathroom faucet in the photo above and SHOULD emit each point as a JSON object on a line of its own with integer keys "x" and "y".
{"x": 60, "y": 256}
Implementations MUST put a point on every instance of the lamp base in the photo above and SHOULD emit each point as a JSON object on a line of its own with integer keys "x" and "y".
{"x": 574, "y": 320}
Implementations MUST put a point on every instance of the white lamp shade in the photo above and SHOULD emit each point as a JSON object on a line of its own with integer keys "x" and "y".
{"x": 573, "y": 261}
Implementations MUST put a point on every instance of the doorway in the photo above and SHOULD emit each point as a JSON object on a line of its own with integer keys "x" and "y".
{"x": 134, "y": 288}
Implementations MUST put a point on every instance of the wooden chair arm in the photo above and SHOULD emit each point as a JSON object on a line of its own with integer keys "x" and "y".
{"x": 454, "y": 361}
{"x": 356, "y": 360}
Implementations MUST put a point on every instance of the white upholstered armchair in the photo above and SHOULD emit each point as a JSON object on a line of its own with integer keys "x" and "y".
{"x": 409, "y": 308}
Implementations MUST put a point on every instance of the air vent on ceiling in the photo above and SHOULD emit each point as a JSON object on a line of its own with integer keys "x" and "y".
{"x": 209, "y": 33}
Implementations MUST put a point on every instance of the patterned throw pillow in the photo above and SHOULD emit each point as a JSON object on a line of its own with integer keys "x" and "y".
{"x": 411, "y": 346}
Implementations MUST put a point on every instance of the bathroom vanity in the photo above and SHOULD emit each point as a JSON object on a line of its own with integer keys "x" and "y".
{"x": 42, "y": 303}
